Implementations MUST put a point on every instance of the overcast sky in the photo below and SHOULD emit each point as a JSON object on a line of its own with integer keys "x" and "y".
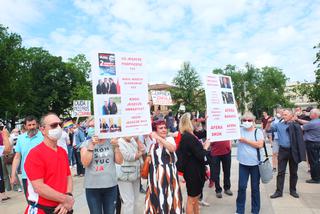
{"x": 208, "y": 33}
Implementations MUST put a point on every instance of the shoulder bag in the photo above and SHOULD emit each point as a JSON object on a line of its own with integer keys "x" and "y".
{"x": 265, "y": 167}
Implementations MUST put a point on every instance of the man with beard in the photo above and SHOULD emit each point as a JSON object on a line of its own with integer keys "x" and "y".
{"x": 28, "y": 140}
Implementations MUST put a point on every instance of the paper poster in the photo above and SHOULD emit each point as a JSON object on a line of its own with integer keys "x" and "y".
{"x": 120, "y": 93}
{"x": 223, "y": 121}
{"x": 161, "y": 98}
{"x": 81, "y": 108}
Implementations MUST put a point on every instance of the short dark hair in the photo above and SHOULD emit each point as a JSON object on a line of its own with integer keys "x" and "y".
{"x": 29, "y": 118}
{"x": 44, "y": 117}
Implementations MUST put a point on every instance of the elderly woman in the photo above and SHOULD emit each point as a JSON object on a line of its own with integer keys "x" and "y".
{"x": 250, "y": 140}
{"x": 129, "y": 172}
{"x": 99, "y": 156}
{"x": 194, "y": 156}
{"x": 163, "y": 194}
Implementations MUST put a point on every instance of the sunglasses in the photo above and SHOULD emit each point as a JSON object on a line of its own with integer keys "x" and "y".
{"x": 247, "y": 120}
{"x": 54, "y": 125}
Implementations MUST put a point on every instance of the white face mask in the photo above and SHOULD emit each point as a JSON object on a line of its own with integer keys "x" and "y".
{"x": 247, "y": 124}
{"x": 278, "y": 115}
{"x": 55, "y": 134}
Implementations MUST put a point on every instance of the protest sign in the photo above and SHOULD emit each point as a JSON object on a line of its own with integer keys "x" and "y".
{"x": 161, "y": 98}
{"x": 223, "y": 121}
{"x": 81, "y": 108}
{"x": 120, "y": 94}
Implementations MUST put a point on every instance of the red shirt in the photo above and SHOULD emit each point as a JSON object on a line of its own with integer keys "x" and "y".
{"x": 52, "y": 166}
{"x": 220, "y": 147}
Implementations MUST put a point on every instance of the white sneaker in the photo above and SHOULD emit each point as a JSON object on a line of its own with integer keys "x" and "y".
{"x": 19, "y": 190}
{"x": 204, "y": 203}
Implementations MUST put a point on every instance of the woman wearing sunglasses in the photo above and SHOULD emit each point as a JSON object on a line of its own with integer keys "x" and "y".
{"x": 99, "y": 157}
{"x": 250, "y": 140}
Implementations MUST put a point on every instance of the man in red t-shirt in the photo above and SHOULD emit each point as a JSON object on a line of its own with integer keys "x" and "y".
{"x": 48, "y": 172}
{"x": 221, "y": 152}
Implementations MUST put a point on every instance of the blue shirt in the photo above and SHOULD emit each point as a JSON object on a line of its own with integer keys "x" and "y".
{"x": 24, "y": 145}
{"x": 247, "y": 155}
{"x": 312, "y": 131}
{"x": 283, "y": 136}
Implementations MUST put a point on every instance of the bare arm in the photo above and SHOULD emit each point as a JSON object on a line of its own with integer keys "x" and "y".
{"x": 86, "y": 155}
{"x": 118, "y": 158}
{"x": 70, "y": 184}
{"x": 47, "y": 192}
{"x": 15, "y": 164}
{"x": 6, "y": 141}
{"x": 166, "y": 144}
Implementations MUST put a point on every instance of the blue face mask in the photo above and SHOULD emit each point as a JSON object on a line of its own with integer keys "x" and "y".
{"x": 90, "y": 131}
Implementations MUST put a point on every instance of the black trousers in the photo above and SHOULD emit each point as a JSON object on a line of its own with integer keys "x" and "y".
{"x": 284, "y": 157}
{"x": 80, "y": 169}
{"x": 215, "y": 170}
{"x": 313, "y": 152}
{"x": 2, "y": 187}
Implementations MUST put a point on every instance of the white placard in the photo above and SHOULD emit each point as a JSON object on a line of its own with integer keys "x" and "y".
{"x": 81, "y": 108}
{"x": 120, "y": 93}
{"x": 161, "y": 98}
{"x": 223, "y": 121}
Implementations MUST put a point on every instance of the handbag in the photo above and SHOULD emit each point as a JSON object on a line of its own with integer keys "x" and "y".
{"x": 265, "y": 167}
{"x": 144, "y": 172}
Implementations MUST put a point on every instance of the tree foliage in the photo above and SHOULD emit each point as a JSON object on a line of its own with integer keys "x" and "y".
{"x": 35, "y": 82}
{"x": 257, "y": 89}
{"x": 188, "y": 90}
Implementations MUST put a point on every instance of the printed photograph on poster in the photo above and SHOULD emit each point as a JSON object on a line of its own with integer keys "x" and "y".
{"x": 108, "y": 85}
{"x": 115, "y": 124}
{"x": 111, "y": 106}
{"x": 104, "y": 125}
{"x": 110, "y": 124}
{"x": 107, "y": 63}
{"x": 227, "y": 97}
{"x": 225, "y": 82}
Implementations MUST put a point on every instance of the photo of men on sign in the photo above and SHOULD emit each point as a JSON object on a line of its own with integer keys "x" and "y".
{"x": 104, "y": 125}
{"x": 107, "y": 86}
{"x": 115, "y": 124}
{"x": 225, "y": 82}
{"x": 111, "y": 106}
{"x": 227, "y": 97}
{"x": 107, "y": 63}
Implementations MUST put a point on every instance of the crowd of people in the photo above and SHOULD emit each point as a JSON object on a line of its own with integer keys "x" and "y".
{"x": 46, "y": 152}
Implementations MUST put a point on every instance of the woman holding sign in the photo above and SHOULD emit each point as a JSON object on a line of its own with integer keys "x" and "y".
{"x": 99, "y": 157}
{"x": 193, "y": 154}
{"x": 163, "y": 193}
{"x": 251, "y": 139}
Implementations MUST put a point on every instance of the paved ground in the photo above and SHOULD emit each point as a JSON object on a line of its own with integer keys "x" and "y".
{"x": 308, "y": 203}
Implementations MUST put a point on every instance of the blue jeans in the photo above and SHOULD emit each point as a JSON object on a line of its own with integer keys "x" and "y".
{"x": 244, "y": 172}
{"x": 71, "y": 157}
{"x": 102, "y": 200}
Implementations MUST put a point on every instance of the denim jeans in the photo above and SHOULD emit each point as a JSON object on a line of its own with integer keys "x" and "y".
{"x": 71, "y": 157}
{"x": 244, "y": 172}
{"x": 102, "y": 200}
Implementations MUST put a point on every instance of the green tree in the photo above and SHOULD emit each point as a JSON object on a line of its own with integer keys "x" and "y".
{"x": 188, "y": 90}
{"x": 13, "y": 89}
{"x": 315, "y": 92}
